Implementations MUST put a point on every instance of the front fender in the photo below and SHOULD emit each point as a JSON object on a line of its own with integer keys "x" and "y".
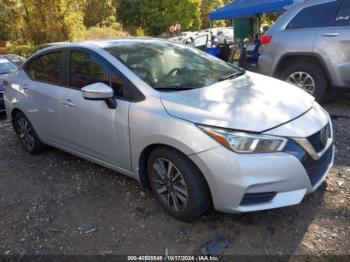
{"x": 154, "y": 126}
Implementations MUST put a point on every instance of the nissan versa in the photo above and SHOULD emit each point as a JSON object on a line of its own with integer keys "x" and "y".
{"x": 197, "y": 131}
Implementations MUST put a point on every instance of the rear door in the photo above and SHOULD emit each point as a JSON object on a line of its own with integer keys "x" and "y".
{"x": 301, "y": 33}
{"x": 42, "y": 83}
{"x": 334, "y": 45}
{"x": 91, "y": 127}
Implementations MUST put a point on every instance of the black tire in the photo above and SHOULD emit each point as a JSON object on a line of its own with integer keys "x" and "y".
{"x": 26, "y": 134}
{"x": 315, "y": 71}
{"x": 198, "y": 194}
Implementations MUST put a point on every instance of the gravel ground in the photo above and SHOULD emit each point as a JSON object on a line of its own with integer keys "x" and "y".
{"x": 56, "y": 203}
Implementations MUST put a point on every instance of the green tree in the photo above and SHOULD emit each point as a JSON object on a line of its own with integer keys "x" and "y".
{"x": 8, "y": 19}
{"x": 185, "y": 12}
{"x": 156, "y": 16}
{"x": 42, "y": 21}
{"x": 97, "y": 12}
{"x": 207, "y": 7}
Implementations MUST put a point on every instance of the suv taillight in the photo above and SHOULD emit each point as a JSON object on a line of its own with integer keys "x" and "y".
{"x": 266, "y": 39}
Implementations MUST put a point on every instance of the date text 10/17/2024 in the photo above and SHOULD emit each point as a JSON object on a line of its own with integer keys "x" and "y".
{"x": 172, "y": 258}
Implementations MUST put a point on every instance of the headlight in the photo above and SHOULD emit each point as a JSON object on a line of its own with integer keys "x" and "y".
{"x": 244, "y": 142}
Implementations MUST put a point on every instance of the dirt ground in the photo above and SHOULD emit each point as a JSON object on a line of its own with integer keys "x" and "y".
{"x": 56, "y": 203}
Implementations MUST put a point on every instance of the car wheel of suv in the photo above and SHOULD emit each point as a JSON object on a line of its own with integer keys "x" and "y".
{"x": 25, "y": 131}
{"x": 177, "y": 184}
{"x": 307, "y": 76}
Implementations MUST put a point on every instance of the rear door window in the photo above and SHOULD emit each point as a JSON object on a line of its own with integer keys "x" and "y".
{"x": 314, "y": 16}
{"x": 47, "y": 68}
{"x": 343, "y": 15}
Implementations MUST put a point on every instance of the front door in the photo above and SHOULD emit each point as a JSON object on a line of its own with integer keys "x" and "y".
{"x": 91, "y": 127}
{"x": 334, "y": 44}
{"x": 201, "y": 42}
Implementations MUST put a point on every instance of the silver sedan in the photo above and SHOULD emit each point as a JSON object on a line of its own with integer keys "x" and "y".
{"x": 197, "y": 131}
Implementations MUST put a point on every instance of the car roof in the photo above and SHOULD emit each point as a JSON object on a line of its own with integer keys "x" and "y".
{"x": 99, "y": 44}
{"x": 104, "y": 43}
{"x": 4, "y": 57}
{"x": 304, "y": 4}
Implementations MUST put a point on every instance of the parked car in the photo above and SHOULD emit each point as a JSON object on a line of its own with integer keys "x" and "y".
{"x": 43, "y": 46}
{"x": 16, "y": 59}
{"x": 197, "y": 130}
{"x": 6, "y": 67}
{"x": 309, "y": 46}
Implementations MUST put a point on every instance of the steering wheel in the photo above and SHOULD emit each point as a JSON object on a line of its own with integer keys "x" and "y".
{"x": 147, "y": 73}
{"x": 172, "y": 71}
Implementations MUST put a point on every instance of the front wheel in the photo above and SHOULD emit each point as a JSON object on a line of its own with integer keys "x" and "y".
{"x": 26, "y": 133}
{"x": 307, "y": 76}
{"x": 178, "y": 185}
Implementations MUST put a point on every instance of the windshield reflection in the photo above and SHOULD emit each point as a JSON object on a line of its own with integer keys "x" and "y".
{"x": 170, "y": 67}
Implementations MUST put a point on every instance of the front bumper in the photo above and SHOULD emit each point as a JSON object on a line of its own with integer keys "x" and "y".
{"x": 246, "y": 183}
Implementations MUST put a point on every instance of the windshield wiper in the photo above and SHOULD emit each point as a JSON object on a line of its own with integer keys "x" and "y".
{"x": 173, "y": 88}
{"x": 233, "y": 75}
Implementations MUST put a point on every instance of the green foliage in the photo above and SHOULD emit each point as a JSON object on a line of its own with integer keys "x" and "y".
{"x": 3, "y": 50}
{"x": 207, "y": 7}
{"x": 267, "y": 22}
{"x": 102, "y": 33}
{"x": 22, "y": 50}
{"x": 41, "y": 21}
{"x": 97, "y": 12}
{"x": 34, "y": 22}
{"x": 139, "y": 32}
{"x": 73, "y": 24}
{"x": 8, "y": 18}
{"x": 156, "y": 16}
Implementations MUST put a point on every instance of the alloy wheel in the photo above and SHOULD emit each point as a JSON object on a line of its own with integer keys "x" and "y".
{"x": 25, "y": 133}
{"x": 170, "y": 184}
{"x": 303, "y": 80}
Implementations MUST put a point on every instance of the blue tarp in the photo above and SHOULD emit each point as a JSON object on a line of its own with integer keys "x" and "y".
{"x": 246, "y": 8}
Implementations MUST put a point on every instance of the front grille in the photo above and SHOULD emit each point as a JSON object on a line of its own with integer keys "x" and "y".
{"x": 257, "y": 198}
{"x": 315, "y": 169}
{"x": 319, "y": 140}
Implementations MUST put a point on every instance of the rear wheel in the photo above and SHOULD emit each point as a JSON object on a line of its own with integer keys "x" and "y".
{"x": 307, "y": 76}
{"x": 177, "y": 184}
{"x": 26, "y": 133}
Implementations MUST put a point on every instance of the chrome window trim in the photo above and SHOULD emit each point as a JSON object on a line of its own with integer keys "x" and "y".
{"x": 306, "y": 145}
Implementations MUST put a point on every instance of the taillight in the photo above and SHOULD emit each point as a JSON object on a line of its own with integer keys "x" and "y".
{"x": 266, "y": 39}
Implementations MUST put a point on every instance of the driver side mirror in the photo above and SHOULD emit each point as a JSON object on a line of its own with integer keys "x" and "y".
{"x": 100, "y": 91}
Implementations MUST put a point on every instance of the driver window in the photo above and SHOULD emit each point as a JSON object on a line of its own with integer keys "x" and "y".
{"x": 86, "y": 69}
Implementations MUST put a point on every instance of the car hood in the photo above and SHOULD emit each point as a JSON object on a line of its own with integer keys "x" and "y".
{"x": 252, "y": 102}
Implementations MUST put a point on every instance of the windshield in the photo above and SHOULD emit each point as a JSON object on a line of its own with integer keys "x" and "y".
{"x": 166, "y": 66}
{"x": 7, "y": 67}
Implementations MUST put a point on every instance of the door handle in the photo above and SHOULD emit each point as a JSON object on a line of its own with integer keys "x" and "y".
{"x": 68, "y": 102}
{"x": 330, "y": 34}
